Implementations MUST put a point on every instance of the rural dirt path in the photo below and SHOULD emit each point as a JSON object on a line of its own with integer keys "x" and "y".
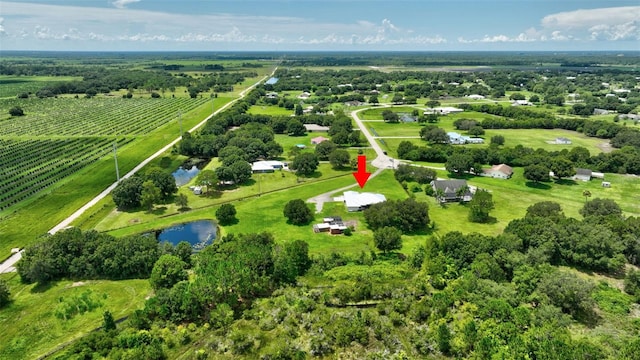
{"x": 64, "y": 223}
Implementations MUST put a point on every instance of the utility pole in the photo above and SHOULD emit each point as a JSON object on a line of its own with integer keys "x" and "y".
{"x": 115, "y": 156}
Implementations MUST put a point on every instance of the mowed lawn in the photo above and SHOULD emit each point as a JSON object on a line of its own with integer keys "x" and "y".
{"x": 269, "y": 110}
{"x": 30, "y": 327}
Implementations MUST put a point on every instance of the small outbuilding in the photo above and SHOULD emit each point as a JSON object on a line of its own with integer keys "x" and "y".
{"x": 606, "y": 184}
{"x": 582, "y": 174}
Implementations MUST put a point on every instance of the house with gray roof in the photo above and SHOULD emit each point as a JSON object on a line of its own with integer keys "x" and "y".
{"x": 451, "y": 190}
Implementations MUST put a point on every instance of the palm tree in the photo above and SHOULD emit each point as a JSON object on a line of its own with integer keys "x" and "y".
{"x": 587, "y": 195}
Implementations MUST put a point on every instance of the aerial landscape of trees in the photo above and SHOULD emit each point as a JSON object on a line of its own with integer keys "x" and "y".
{"x": 539, "y": 265}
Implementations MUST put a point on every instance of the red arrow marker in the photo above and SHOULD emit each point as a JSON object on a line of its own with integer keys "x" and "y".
{"x": 362, "y": 175}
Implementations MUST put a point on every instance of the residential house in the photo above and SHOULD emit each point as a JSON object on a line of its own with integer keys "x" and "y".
{"x": 318, "y": 140}
{"x": 601, "y": 112}
{"x": 304, "y": 95}
{"x": 353, "y": 103}
{"x": 501, "y": 171}
{"x": 459, "y": 139}
{"x": 475, "y": 97}
{"x": 521, "y": 103}
{"x": 445, "y": 110}
{"x": 316, "y": 128}
{"x": 562, "y": 141}
{"x": 406, "y": 118}
{"x": 271, "y": 95}
{"x": 355, "y": 201}
{"x": 451, "y": 190}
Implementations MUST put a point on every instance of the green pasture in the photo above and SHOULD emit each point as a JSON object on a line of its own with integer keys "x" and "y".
{"x": 30, "y": 327}
{"x": 269, "y": 110}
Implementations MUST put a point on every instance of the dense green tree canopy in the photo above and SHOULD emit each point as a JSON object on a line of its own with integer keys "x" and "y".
{"x": 167, "y": 271}
{"x": 387, "y": 239}
{"x": 305, "y": 164}
{"x": 298, "y": 212}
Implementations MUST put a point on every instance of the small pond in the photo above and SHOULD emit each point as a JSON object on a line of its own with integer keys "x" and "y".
{"x": 190, "y": 169}
{"x": 184, "y": 175}
{"x": 197, "y": 233}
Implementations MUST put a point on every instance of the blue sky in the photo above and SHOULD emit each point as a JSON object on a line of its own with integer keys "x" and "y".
{"x": 343, "y": 25}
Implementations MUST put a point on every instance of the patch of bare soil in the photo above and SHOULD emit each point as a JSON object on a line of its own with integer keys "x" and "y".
{"x": 605, "y": 146}
{"x": 78, "y": 283}
{"x": 134, "y": 221}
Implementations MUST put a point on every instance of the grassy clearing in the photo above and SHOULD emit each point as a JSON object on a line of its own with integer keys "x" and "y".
{"x": 376, "y": 113}
{"x": 11, "y": 86}
{"x": 30, "y": 327}
{"x": 269, "y": 110}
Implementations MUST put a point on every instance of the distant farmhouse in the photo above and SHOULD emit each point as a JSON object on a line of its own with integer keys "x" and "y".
{"x": 521, "y": 103}
{"x": 304, "y": 95}
{"x": 501, "y": 171}
{"x": 316, "y": 128}
{"x": 587, "y": 174}
{"x": 562, "y": 141}
{"x": 271, "y": 95}
{"x": 442, "y": 110}
{"x": 355, "y": 201}
{"x": 451, "y": 190}
{"x": 459, "y": 139}
{"x": 353, "y": 103}
{"x": 318, "y": 140}
{"x": 267, "y": 166}
{"x": 475, "y": 97}
{"x": 601, "y": 112}
{"x": 406, "y": 118}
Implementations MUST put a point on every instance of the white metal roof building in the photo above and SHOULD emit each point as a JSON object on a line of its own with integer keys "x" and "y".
{"x": 355, "y": 201}
{"x": 267, "y": 166}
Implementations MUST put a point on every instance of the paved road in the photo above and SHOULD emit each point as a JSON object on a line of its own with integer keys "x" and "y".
{"x": 7, "y": 266}
{"x": 382, "y": 161}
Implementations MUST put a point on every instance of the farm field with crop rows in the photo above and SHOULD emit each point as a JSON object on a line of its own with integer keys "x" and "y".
{"x": 58, "y": 137}
{"x": 92, "y": 117}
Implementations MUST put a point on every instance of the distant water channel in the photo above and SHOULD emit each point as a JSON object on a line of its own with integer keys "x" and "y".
{"x": 197, "y": 233}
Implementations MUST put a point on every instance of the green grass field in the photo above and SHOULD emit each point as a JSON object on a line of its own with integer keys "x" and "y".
{"x": 269, "y": 110}
{"x": 11, "y": 86}
{"x": 30, "y": 327}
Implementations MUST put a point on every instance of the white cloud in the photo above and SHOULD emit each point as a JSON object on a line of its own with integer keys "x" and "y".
{"x": 2, "y": 31}
{"x": 610, "y": 24}
{"x": 122, "y": 4}
{"x": 582, "y": 19}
